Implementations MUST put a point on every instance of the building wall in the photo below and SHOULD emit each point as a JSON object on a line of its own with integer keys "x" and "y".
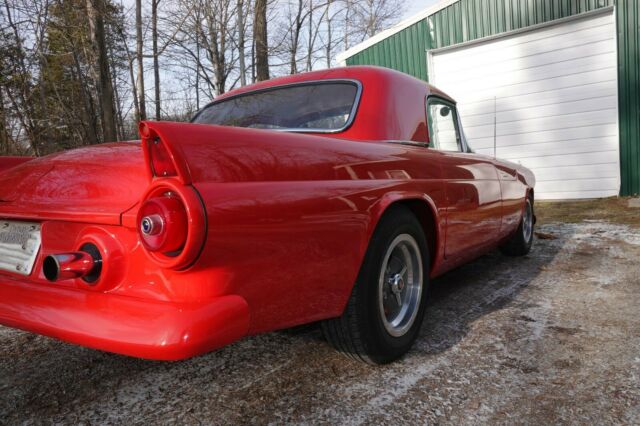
{"x": 403, "y": 51}
{"x": 628, "y": 17}
{"x": 468, "y": 20}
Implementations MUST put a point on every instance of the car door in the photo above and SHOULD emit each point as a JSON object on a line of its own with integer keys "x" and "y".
{"x": 471, "y": 184}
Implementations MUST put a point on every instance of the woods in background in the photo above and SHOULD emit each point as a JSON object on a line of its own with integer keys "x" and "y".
{"x": 81, "y": 72}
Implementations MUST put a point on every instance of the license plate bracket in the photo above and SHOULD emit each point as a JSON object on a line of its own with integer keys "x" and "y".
{"x": 19, "y": 246}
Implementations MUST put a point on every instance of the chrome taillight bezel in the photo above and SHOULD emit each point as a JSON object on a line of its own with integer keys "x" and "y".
{"x": 163, "y": 224}
{"x": 196, "y": 223}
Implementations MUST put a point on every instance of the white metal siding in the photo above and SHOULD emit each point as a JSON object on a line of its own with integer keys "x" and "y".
{"x": 553, "y": 94}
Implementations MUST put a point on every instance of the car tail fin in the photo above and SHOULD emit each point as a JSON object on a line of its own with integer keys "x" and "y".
{"x": 162, "y": 154}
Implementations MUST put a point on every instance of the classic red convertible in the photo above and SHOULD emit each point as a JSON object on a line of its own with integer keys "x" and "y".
{"x": 330, "y": 196}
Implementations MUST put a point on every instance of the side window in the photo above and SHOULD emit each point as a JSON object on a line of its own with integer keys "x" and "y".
{"x": 443, "y": 131}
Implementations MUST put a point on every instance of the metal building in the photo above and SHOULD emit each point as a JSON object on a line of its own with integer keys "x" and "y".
{"x": 552, "y": 84}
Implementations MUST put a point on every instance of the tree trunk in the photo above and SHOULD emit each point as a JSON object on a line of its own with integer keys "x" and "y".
{"x": 329, "y": 34}
{"x": 221, "y": 63}
{"x": 311, "y": 38}
{"x": 141, "y": 99}
{"x": 96, "y": 10}
{"x": 156, "y": 67}
{"x": 118, "y": 104}
{"x": 4, "y": 136}
{"x": 131, "y": 60}
{"x": 215, "y": 40}
{"x": 88, "y": 112}
{"x": 198, "y": 61}
{"x": 28, "y": 116}
{"x": 295, "y": 38}
{"x": 260, "y": 35}
{"x": 253, "y": 60}
{"x": 243, "y": 69}
{"x": 42, "y": 62}
{"x": 347, "y": 16}
{"x": 42, "y": 91}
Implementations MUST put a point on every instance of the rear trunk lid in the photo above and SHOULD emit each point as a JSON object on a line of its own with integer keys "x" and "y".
{"x": 94, "y": 184}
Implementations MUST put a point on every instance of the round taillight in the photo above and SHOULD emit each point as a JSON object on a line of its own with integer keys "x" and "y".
{"x": 163, "y": 224}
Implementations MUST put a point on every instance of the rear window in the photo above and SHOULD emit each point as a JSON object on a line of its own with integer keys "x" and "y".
{"x": 309, "y": 107}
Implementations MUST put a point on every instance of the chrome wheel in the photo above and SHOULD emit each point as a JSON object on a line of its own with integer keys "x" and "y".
{"x": 400, "y": 285}
{"x": 527, "y": 221}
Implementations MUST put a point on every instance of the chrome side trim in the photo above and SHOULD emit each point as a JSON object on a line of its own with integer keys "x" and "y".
{"x": 410, "y": 143}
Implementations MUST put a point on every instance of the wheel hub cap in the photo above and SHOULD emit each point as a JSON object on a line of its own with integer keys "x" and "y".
{"x": 400, "y": 285}
{"x": 397, "y": 283}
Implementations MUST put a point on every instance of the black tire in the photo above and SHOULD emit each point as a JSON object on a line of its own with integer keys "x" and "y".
{"x": 519, "y": 244}
{"x": 361, "y": 332}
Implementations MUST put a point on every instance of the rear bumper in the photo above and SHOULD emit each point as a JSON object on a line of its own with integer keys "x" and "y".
{"x": 123, "y": 325}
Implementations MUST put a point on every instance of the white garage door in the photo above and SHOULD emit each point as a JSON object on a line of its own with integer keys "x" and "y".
{"x": 547, "y": 98}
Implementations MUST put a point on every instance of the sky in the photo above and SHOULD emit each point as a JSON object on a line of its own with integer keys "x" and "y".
{"x": 412, "y": 6}
{"x": 415, "y": 6}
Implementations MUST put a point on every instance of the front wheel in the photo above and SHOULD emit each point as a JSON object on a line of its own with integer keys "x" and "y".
{"x": 386, "y": 308}
{"x": 520, "y": 243}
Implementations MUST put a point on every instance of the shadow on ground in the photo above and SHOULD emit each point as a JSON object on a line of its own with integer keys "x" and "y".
{"x": 43, "y": 379}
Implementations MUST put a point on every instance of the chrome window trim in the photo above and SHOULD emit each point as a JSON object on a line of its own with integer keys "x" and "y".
{"x": 463, "y": 136}
{"x": 352, "y": 113}
{"x": 458, "y": 123}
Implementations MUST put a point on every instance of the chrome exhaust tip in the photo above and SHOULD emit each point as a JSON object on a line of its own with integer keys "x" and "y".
{"x": 85, "y": 264}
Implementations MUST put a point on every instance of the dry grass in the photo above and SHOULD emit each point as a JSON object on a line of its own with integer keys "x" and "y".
{"x": 614, "y": 210}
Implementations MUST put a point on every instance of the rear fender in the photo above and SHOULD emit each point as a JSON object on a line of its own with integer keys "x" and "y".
{"x": 7, "y": 163}
{"x": 392, "y": 198}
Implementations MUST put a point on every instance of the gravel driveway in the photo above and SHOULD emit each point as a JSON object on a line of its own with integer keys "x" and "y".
{"x": 551, "y": 337}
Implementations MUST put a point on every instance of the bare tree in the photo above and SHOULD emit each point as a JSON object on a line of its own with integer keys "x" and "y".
{"x": 218, "y": 16}
{"x": 140, "y": 58}
{"x": 21, "y": 97}
{"x": 328, "y": 42}
{"x": 96, "y": 11}
{"x": 346, "y": 23}
{"x": 156, "y": 65}
{"x": 260, "y": 40}
{"x": 131, "y": 59}
{"x": 310, "y": 38}
{"x": 5, "y": 145}
{"x": 198, "y": 37}
{"x": 240, "y": 22}
{"x": 72, "y": 74}
{"x": 297, "y": 24}
{"x": 294, "y": 28}
{"x": 42, "y": 18}
{"x": 314, "y": 31}
{"x": 369, "y": 17}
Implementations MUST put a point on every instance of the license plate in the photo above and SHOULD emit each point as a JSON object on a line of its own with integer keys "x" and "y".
{"x": 19, "y": 246}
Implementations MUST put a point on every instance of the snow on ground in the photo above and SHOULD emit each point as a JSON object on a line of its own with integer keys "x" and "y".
{"x": 550, "y": 337}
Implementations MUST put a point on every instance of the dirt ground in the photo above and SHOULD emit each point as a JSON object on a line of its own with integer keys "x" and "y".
{"x": 553, "y": 337}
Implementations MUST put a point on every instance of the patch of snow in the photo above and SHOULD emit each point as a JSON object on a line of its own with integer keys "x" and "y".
{"x": 598, "y": 230}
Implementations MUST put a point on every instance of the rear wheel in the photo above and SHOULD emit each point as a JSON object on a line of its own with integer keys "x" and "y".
{"x": 385, "y": 311}
{"x": 520, "y": 243}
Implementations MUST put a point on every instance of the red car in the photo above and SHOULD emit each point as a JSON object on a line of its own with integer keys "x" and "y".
{"x": 332, "y": 196}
